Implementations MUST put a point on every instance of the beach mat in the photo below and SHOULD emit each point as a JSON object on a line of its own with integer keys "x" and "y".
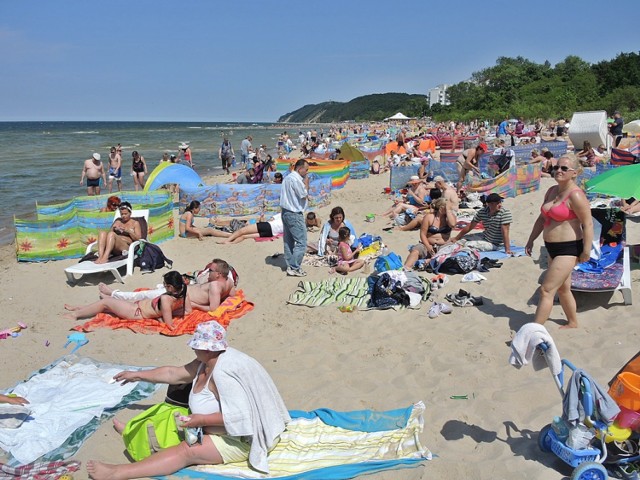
{"x": 325, "y": 444}
{"x": 500, "y": 254}
{"x": 230, "y": 309}
{"x": 338, "y": 290}
{"x": 268, "y": 239}
{"x": 69, "y": 399}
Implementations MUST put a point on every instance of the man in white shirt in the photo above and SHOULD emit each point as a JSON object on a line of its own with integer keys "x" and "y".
{"x": 293, "y": 202}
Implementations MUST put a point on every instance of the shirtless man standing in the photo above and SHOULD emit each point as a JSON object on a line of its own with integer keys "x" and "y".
{"x": 448, "y": 192}
{"x": 205, "y": 296}
{"x": 93, "y": 170}
{"x": 115, "y": 169}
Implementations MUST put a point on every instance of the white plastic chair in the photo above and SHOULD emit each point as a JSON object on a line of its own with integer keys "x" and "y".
{"x": 87, "y": 267}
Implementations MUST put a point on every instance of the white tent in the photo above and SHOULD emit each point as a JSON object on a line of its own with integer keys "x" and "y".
{"x": 398, "y": 116}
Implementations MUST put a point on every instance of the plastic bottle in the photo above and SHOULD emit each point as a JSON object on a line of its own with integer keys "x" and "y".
{"x": 561, "y": 428}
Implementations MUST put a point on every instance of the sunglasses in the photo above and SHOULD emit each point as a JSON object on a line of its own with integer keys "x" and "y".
{"x": 564, "y": 168}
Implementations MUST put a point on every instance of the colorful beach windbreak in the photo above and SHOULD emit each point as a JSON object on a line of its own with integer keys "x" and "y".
{"x": 518, "y": 179}
{"x": 336, "y": 170}
{"x": 64, "y": 230}
{"x": 234, "y": 200}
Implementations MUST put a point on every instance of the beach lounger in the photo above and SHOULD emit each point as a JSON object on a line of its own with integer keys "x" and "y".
{"x": 89, "y": 267}
{"x": 615, "y": 275}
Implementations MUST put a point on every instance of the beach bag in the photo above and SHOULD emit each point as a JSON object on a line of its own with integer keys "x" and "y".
{"x": 392, "y": 261}
{"x": 178, "y": 395}
{"x": 149, "y": 258}
{"x": 502, "y": 161}
{"x": 153, "y": 430}
{"x": 388, "y": 293}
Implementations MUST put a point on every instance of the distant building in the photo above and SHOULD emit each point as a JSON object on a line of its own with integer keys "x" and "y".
{"x": 439, "y": 95}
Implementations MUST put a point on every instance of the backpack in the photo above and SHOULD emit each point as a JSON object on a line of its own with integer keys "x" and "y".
{"x": 149, "y": 257}
{"x": 392, "y": 261}
{"x": 502, "y": 160}
{"x": 153, "y": 430}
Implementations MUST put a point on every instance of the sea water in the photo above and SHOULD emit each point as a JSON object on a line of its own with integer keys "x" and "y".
{"x": 42, "y": 161}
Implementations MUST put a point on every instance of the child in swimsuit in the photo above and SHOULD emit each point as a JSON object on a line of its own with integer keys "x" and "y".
{"x": 187, "y": 224}
{"x": 347, "y": 261}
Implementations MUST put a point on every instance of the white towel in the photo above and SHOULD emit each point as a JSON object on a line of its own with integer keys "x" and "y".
{"x": 523, "y": 349}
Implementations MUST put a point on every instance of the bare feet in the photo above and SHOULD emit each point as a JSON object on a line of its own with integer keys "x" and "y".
{"x": 99, "y": 470}
{"x": 222, "y": 242}
{"x": 118, "y": 426}
{"x": 104, "y": 290}
{"x": 70, "y": 316}
{"x": 71, "y": 308}
{"x": 569, "y": 325}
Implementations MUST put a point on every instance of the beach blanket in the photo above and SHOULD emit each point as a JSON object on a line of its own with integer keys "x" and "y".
{"x": 230, "y": 309}
{"x": 339, "y": 290}
{"x": 325, "y": 444}
{"x": 69, "y": 399}
{"x": 268, "y": 239}
{"x": 39, "y": 471}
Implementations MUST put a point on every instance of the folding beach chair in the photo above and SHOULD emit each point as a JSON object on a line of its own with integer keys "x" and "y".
{"x": 88, "y": 267}
{"x": 612, "y": 271}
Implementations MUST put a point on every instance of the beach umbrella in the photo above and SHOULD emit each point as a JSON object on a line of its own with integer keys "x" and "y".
{"x": 621, "y": 182}
{"x": 348, "y": 152}
{"x": 632, "y": 127}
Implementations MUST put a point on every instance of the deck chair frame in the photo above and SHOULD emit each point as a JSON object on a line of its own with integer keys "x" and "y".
{"x": 87, "y": 267}
{"x": 624, "y": 285}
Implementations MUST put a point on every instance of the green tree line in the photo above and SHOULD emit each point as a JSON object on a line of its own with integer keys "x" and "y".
{"x": 517, "y": 87}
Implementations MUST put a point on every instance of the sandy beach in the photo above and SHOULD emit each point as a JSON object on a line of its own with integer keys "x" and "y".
{"x": 320, "y": 357}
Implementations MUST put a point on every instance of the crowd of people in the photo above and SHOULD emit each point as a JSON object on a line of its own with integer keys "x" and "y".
{"x": 430, "y": 205}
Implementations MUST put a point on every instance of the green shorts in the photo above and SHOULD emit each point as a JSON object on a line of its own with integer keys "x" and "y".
{"x": 232, "y": 449}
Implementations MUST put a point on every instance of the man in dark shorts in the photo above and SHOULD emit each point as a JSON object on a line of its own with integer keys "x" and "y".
{"x": 616, "y": 128}
{"x": 93, "y": 170}
{"x": 225, "y": 154}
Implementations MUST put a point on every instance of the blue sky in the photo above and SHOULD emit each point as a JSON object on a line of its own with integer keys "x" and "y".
{"x": 208, "y": 60}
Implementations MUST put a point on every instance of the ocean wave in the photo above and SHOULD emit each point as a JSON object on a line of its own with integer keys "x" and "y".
{"x": 88, "y": 132}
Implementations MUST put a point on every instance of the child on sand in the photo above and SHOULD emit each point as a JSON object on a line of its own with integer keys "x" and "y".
{"x": 347, "y": 261}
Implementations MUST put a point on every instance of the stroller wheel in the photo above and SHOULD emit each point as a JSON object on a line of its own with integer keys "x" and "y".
{"x": 590, "y": 471}
{"x": 544, "y": 440}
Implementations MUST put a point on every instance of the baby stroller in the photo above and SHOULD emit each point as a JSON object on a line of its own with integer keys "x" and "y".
{"x": 593, "y": 462}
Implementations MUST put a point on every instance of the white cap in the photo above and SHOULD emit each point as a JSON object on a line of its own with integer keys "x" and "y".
{"x": 96, "y": 156}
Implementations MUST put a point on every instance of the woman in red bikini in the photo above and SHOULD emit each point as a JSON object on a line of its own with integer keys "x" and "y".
{"x": 567, "y": 229}
{"x": 162, "y": 307}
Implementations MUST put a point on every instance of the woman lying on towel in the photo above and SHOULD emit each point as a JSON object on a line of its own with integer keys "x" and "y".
{"x": 226, "y": 386}
{"x": 175, "y": 300}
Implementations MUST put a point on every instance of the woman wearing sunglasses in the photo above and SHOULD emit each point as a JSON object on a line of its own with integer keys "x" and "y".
{"x": 124, "y": 231}
{"x": 567, "y": 230}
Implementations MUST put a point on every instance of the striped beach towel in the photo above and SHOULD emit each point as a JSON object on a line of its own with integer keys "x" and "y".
{"x": 338, "y": 290}
{"x": 325, "y": 444}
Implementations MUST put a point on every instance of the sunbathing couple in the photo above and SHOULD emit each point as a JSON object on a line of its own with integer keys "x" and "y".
{"x": 173, "y": 298}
